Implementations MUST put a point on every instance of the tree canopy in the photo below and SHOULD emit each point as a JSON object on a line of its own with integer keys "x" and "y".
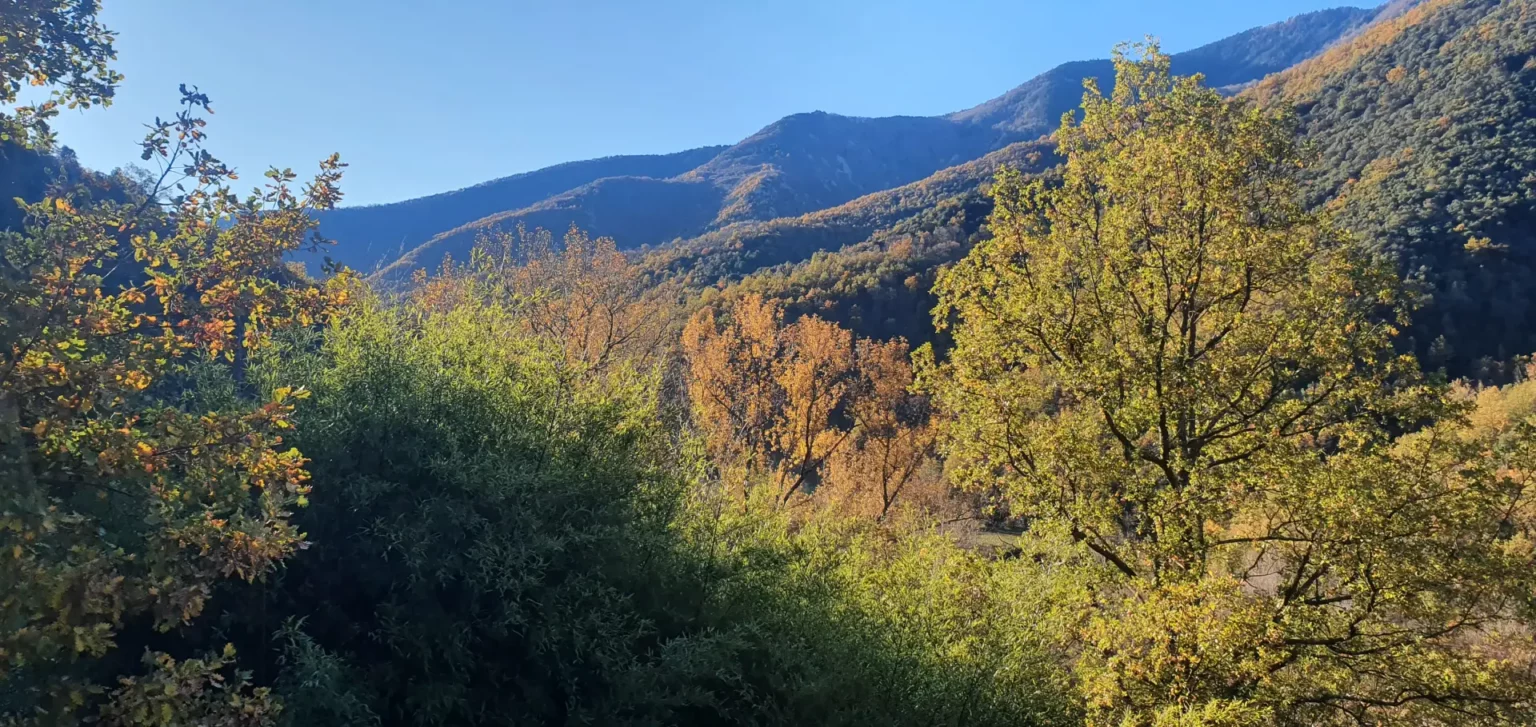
{"x": 1171, "y": 361}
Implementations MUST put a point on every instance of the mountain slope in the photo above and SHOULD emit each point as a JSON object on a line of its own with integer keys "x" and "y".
{"x": 747, "y": 246}
{"x": 629, "y": 208}
{"x": 742, "y": 247}
{"x": 1426, "y": 128}
{"x": 808, "y": 162}
{"x": 370, "y": 236}
{"x": 817, "y": 161}
{"x": 799, "y": 164}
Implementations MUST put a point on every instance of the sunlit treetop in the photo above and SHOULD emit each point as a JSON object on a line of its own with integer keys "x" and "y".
{"x": 57, "y": 44}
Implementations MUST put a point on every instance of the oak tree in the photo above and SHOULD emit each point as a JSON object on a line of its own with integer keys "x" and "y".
{"x": 1170, "y": 360}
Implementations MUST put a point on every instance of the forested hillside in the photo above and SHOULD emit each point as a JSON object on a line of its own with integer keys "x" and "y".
{"x": 1426, "y": 129}
{"x": 798, "y": 164}
{"x": 1130, "y": 426}
{"x": 642, "y": 208}
{"x": 1423, "y": 136}
{"x": 746, "y": 246}
{"x": 29, "y": 173}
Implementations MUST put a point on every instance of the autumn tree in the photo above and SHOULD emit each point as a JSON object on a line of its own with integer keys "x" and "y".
{"x": 1171, "y": 361}
{"x": 764, "y": 393}
{"x": 809, "y": 410}
{"x": 582, "y": 293}
{"x": 126, "y": 498}
{"x": 731, "y": 384}
{"x": 892, "y": 440}
{"x": 812, "y": 370}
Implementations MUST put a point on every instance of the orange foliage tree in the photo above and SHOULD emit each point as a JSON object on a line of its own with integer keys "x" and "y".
{"x": 806, "y": 408}
{"x": 582, "y": 294}
{"x": 891, "y": 457}
{"x": 813, "y": 370}
{"x": 732, "y": 385}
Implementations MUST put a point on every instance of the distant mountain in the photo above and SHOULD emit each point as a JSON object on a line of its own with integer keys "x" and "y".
{"x": 807, "y": 162}
{"x": 1035, "y": 108}
{"x": 1425, "y": 126}
{"x": 1031, "y": 110}
{"x": 799, "y": 165}
{"x": 625, "y": 208}
{"x": 1259, "y": 52}
{"x": 371, "y": 236}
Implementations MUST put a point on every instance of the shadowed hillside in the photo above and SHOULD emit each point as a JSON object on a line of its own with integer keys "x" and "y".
{"x": 743, "y": 247}
{"x": 799, "y": 164}
{"x": 375, "y": 235}
{"x": 626, "y": 207}
{"x": 808, "y": 162}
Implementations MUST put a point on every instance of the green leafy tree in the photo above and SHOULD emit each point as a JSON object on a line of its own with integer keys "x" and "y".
{"x": 1171, "y": 361}
{"x": 58, "y": 44}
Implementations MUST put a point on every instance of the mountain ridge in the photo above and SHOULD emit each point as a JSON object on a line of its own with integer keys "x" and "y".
{"x": 367, "y": 234}
{"x": 806, "y": 162}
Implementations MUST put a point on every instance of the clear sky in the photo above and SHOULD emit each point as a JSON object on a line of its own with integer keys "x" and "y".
{"x": 426, "y": 96}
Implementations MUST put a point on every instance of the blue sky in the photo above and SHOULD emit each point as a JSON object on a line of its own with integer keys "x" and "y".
{"x": 422, "y": 97}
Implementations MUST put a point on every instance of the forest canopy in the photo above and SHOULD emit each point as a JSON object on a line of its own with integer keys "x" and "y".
{"x": 1168, "y": 462}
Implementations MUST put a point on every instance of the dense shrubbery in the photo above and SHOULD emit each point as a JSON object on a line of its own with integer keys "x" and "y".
{"x": 499, "y": 538}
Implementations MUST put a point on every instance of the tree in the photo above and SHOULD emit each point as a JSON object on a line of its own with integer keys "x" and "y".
{"x": 812, "y": 371}
{"x": 764, "y": 393}
{"x": 893, "y": 440}
{"x": 809, "y": 409}
{"x": 57, "y": 43}
{"x": 126, "y": 497}
{"x": 731, "y": 387}
{"x": 586, "y": 294}
{"x": 1169, "y": 360}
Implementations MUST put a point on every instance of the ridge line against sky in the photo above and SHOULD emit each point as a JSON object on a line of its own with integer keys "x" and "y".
{"x": 422, "y": 98}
